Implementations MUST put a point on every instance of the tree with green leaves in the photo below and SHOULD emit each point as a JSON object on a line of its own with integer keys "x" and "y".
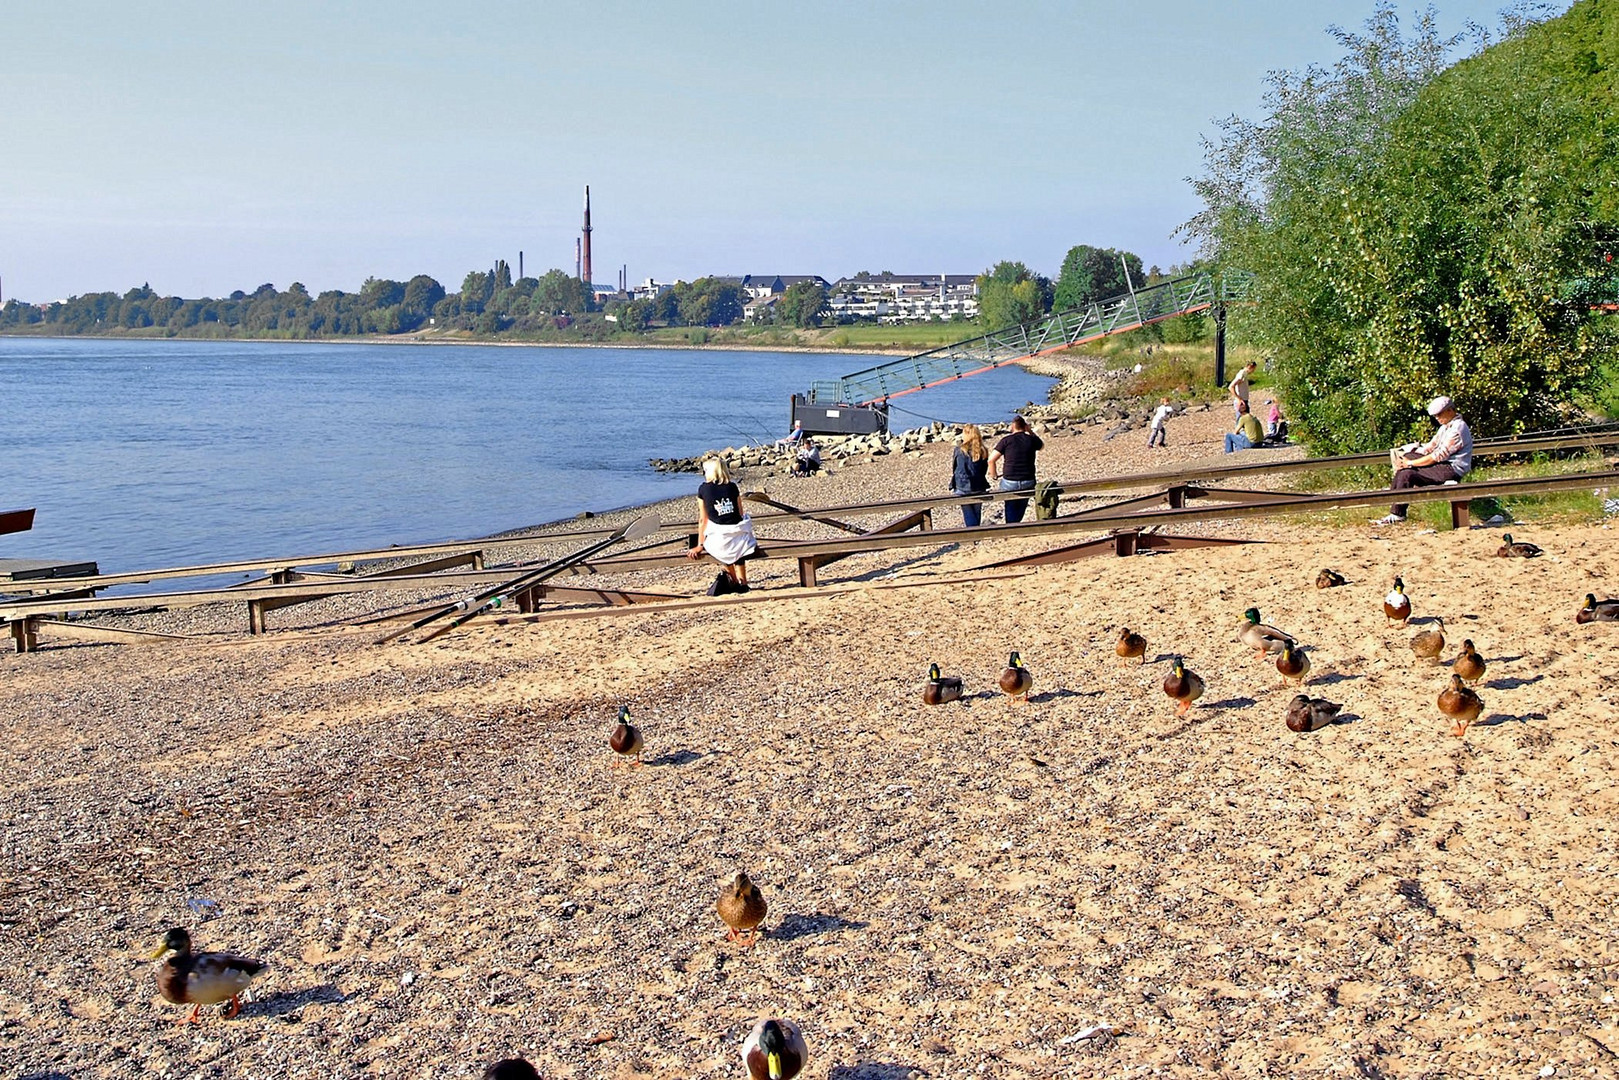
{"x": 1011, "y": 293}
{"x": 1091, "y": 273}
{"x": 803, "y": 304}
{"x": 1418, "y": 228}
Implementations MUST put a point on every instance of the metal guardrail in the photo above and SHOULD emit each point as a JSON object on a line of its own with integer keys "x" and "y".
{"x": 1059, "y": 330}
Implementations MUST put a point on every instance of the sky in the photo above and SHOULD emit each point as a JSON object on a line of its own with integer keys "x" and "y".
{"x": 209, "y": 146}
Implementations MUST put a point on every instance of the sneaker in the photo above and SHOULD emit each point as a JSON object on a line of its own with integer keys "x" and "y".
{"x": 1390, "y": 519}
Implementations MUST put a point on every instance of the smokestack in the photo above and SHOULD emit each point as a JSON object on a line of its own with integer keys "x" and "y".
{"x": 519, "y": 265}
{"x": 584, "y": 265}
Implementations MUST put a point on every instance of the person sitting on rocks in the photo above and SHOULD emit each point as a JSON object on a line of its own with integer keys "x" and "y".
{"x": 1247, "y": 434}
{"x": 1443, "y": 459}
{"x": 808, "y": 461}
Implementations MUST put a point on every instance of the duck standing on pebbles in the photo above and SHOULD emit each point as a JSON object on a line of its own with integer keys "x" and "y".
{"x": 1397, "y": 605}
{"x": 1430, "y": 643}
{"x": 1460, "y": 704}
{"x": 1183, "y": 685}
{"x": 1520, "y": 550}
{"x": 938, "y": 690}
{"x": 1329, "y": 579}
{"x": 626, "y": 739}
{"x": 1016, "y": 682}
{"x": 1294, "y": 664}
{"x": 742, "y": 906}
{"x": 1305, "y": 713}
{"x": 1597, "y": 610}
{"x": 774, "y": 1050}
{"x": 1259, "y": 637}
{"x": 1131, "y": 644}
{"x": 1469, "y": 665}
{"x": 198, "y": 979}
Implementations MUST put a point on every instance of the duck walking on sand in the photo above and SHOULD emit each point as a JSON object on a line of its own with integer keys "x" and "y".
{"x": 938, "y": 689}
{"x": 1430, "y": 643}
{"x": 1397, "y": 605}
{"x": 1460, "y": 704}
{"x": 1016, "y": 682}
{"x": 1519, "y": 550}
{"x": 626, "y": 738}
{"x": 1597, "y": 610}
{"x": 1305, "y": 713}
{"x": 1131, "y": 644}
{"x": 1259, "y": 637}
{"x": 742, "y": 907}
{"x": 1294, "y": 664}
{"x": 1184, "y": 685}
{"x": 1469, "y": 665}
{"x": 1329, "y": 579}
{"x": 198, "y": 979}
{"x": 774, "y": 1050}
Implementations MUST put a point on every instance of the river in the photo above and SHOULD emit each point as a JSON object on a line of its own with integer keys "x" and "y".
{"x": 141, "y": 454}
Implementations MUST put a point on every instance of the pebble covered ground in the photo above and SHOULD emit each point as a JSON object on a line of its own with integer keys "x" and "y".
{"x": 444, "y": 863}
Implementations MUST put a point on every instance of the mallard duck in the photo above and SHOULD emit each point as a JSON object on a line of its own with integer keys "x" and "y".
{"x": 1520, "y": 550}
{"x": 1430, "y": 643}
{"x": 742, "y": 906}
{"x": 1131, "y": 644}
{"x": 1293, "y": 663}
{"x": 1469, "y": 665}
{"x": 198, "y": 979}
{"x": 1016, "y": 682}
{"x": 1597, "y": 610}
{"x": 938, "y": 689}
{"x": 1305, "y": 713}
{"x": 1183, "y": 685}
{"x": 1259, "y": 637}
{"x": 1460, "y": 704}
{"x": 774, "y": 1050}
{"x": 511, "y": 1069}
{"x": 1397, "y": 605}
{"x": 1329, "y": 579}
{"x": 626, "y": 738}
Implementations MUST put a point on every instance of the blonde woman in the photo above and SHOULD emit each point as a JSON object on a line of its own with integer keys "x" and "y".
{"x": 724, "y": 531}
{"x": 969, "y": 473}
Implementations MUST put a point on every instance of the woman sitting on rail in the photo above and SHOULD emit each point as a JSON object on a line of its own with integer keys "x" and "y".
{"x": 724, "y": 531}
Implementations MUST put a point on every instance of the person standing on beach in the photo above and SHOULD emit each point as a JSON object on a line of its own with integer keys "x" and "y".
{"x": 1013, "y": 463}
{"x": 1239, "y": 389}
{"x": 969, "y": 473}
{"x": 1160, "y": 417}
{"x": 724, "y": 532}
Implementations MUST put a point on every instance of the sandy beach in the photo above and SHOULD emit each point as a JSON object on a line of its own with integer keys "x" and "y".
{"x": 444, "y": 864}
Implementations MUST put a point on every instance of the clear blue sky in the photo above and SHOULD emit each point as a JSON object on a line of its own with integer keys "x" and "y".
{"x": 209, "y": 146}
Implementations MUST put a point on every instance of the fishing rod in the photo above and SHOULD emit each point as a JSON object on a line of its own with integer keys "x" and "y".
{"x": 478, "y": 603}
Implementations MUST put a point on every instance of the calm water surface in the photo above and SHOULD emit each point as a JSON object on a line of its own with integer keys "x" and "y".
{"x": 141, "y": 454}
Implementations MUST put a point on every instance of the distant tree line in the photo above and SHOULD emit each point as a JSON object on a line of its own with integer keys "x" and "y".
{"x": 1011, "y": 293}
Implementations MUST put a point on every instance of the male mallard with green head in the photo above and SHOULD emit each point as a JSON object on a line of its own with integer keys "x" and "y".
{"x": 938, "y": 690}
{"x": 1259, "y": 637}
{"x": 626, "y": 738}
{"x": 1293, "y": 663}
{"x": 1305, "y": 713}
{"x": 1397, "y": 605}
{"x": 1597, "y": 610}
{"x": 1184, "y": 685}
{"x": 1016, "y": 682}
{"x": 1519, "y": 550}
{"x": 774, "y": 1050}
{"x": 198, "y": 979}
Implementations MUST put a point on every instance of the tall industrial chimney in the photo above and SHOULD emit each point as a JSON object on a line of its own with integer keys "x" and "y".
{"x": 584, "y": 266}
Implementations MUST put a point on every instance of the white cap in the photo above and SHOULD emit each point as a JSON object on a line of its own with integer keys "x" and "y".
{"x": 1438, "y": 405}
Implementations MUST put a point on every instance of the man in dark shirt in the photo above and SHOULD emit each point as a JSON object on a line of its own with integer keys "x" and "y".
{"x": 1012, "y": 461}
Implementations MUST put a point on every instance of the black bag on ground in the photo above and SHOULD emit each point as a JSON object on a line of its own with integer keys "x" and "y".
{"x": 723, "y": 585}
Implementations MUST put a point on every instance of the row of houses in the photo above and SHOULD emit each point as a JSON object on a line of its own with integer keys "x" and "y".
{"x": 884, "y": 298}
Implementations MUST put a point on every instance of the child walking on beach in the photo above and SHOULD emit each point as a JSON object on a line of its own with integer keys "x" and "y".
{"x": 1160, "y": 417}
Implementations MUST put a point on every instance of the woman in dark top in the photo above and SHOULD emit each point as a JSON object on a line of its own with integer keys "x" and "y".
{"x": 724, "y": 531}
{"x": 969, "y": 473}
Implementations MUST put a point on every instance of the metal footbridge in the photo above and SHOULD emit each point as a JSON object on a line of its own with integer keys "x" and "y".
{"x": 1057, "y": 331}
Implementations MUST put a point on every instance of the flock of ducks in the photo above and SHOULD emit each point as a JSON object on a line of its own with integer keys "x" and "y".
{"x": 775, "y": 1048}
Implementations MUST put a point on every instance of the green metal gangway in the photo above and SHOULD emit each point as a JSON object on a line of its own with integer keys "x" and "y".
{"x": 1057, "y": 331}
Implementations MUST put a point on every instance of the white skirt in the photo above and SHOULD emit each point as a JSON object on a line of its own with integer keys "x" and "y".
{"x": 730, "y": 544}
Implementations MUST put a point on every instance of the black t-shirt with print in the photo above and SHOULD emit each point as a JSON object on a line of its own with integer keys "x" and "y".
{"x": 722, "y": 501}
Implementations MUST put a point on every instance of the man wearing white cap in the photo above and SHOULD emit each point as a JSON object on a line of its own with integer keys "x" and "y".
{"x": 1443, "y": 459}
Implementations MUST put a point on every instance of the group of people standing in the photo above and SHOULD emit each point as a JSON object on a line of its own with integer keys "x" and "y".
{"x": 1011, "y": 463}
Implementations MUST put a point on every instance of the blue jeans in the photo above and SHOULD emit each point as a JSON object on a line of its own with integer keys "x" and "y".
{"x": 1236, "y": 440}
{"x": 1016, "y": 507}
{"x": 972, "y": 514}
